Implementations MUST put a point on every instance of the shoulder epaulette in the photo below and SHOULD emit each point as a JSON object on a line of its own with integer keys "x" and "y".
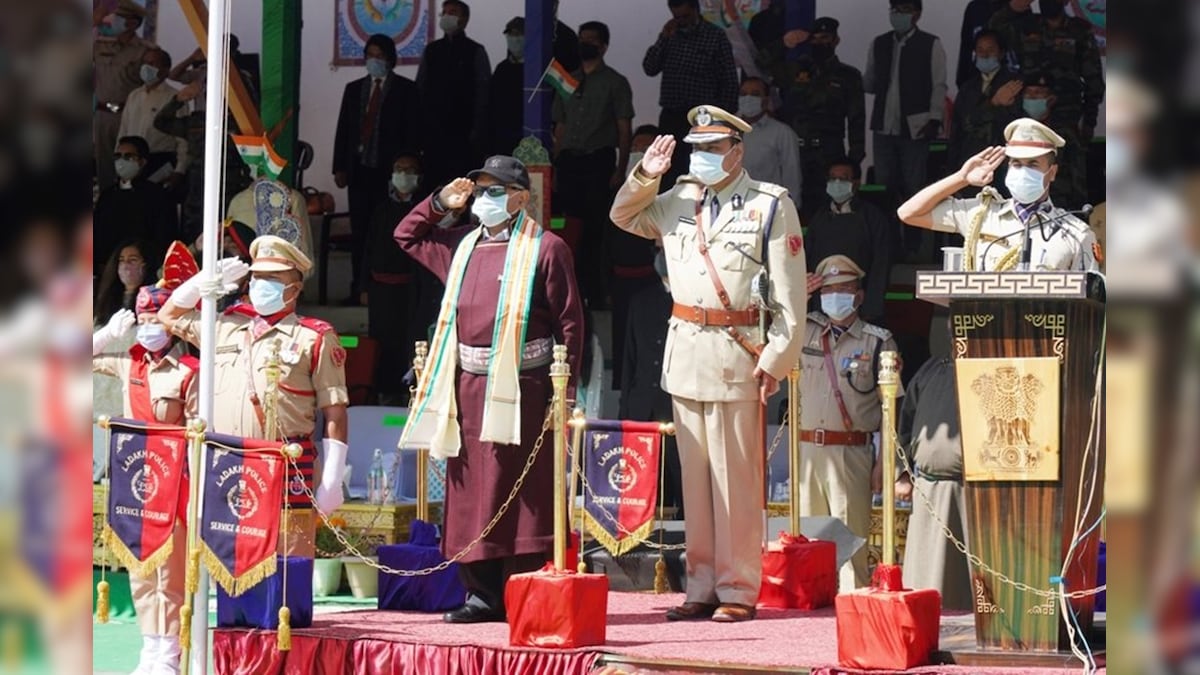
{"x": 190, "y": 362}
{"x": 882, "y": 333}
{"x": 318, "y": 325}
{"x": 818, "y": 318}
{"x": 777, "y": 191}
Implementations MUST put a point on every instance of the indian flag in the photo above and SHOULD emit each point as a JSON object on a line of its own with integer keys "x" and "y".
{"x": 258, "y": 153}
{"x": 560, "y": 79}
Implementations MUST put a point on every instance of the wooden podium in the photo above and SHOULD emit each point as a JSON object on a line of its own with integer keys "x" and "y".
{"x": 1026, "y": 347}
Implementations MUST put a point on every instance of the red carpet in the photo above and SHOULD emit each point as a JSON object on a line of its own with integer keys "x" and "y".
{"x": 397, "y": 642}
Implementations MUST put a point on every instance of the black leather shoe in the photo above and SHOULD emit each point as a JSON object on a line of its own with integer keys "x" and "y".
{"x": 472, "y": 614}
{"x": 691, "y": 611}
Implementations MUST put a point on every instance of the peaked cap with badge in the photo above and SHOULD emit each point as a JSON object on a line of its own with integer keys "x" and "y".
{"x": 1027, "y": 138}
{"x": 711, "y": 124}
{"x": 274, "y": 254}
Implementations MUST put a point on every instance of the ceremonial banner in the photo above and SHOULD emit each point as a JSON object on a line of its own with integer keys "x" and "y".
{"x": 239, "y": 517}
{"x": 621, "y": 464}
{"x": 146, "y": 493}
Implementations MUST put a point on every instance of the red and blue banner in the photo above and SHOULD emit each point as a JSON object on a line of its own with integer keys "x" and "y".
{"x": 621, "y": 465}
{"x": 239, "y": 514}
{"x": 147, "y": 492}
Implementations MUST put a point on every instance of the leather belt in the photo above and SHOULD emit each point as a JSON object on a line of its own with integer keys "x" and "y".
{"x": 824, "y": 437}
{"x": 705, "y": 316}
{"x": 537, "y": 353}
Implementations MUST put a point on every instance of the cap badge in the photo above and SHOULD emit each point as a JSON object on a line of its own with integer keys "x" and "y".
{"x": 267, "y": 252}
{"x": 703, "y": 118}
{"x": 833, "y": 271}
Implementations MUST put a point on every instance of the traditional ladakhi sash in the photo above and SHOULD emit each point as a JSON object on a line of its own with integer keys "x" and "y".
{"x": 434, "y": 422}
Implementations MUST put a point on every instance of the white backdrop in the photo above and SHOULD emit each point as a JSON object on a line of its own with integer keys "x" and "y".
{"x": 634, "y": 25}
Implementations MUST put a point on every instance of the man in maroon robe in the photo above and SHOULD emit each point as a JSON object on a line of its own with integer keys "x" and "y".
{"x": 480, "y": 477}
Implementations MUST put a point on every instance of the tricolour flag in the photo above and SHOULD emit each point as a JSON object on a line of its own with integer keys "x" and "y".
{"x": 560, "y": 79}
{"x": 621, "y": 464}
{"x": 239, "y": 516}
{"x": 147, "y": 492}
{"x": 258, "y": 153}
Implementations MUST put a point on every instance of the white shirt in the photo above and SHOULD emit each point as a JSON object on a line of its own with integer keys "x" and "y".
{"x": 773, "y": 155}
{"x": 137, "y": 119}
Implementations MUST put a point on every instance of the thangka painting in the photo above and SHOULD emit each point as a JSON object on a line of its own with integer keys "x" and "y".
{"x": 410, "y": 23}
{"x": 714, "y": 10}
{"x": 1010, "y": 418}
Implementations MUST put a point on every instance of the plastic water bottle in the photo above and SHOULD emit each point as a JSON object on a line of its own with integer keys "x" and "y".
{"x": 376, "y": 479}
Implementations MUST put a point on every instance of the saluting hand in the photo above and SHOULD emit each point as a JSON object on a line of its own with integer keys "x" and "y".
{"x": 456, "y": 193}
{"x": 1007, "y": 94}
{"x": 980, "y": 170}
{"x": 657, "y": 159}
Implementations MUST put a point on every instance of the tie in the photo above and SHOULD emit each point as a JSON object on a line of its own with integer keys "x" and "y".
{"x": 368, "y": 123}
{"x": 714, "y": 209}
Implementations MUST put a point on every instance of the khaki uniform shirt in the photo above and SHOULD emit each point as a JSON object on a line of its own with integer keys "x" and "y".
{"x": 116, "y": 68}
{"x": 172, "y": 402}
{"x": 1058, "y": 240}
{"x": 312, "y": 373}
{"x": 853, "y": 353}
{"x": 705, "y": 363}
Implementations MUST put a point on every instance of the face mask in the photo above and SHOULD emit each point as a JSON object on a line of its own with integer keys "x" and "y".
{"x": 837, "y": 305}
{"x": 405, "y": 182}
{"x": 987, "y": 64}
{"x": 901, "y": 22}
{"x": 516, "y": 45}
{"x": 635, "y": 158}
{"x": 377, "y": 68}
{"x": 126, "y": 168}
{"x": 491, "y": 211}
{"x": 115, "y": 26}
{"x": 840, "y": 191}
{"x": 706, "y": 167}
{"x": 1025, "y": 183}
{"x": 822, "y": 52}
{"x": 266, "y": 295}
{"x": 148, "y": 73}
{"x": 130, "y": 273}
{"x": 448, "y": 23}
{"x": 1118, "y": 159}
{"x": 1036, "y": 107}
{"x": 750, "y": 106}
{"x": 152, "y": 336}
{"x": 589, "y": 51}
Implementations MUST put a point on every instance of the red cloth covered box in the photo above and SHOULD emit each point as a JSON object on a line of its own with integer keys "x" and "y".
{"x": 884, "y": 629}
{"x": 556, "y": 609}
{"x": 798, "y": 573}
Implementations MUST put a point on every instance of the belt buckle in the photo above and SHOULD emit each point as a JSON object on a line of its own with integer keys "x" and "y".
{"x": 818, "y": 437}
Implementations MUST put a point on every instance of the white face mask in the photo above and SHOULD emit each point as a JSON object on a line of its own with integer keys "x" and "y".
{"x": 707, "y": 167}
{"x": 491, "y": 211}
{"x": 152, "y": 336}
{"x": 750, "y": 106}
{"x": 837, "y": 305}
{"x": 405, "y": 182}
{"x": 840, "y": 191}
{"x": 448, "y": 23}
{"x": 127, "y": 169}
{"x": 377, "y": 68}
{"x": 266, "y": 296}
{"x": 1026, "y": 183}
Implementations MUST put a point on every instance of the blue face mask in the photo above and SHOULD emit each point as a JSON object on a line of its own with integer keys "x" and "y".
{"x": 707, "y": 167}
{"x": 987, "y": 64}
{"x": 837, "y": 305}
{"x": 148, "y": 73}
{"x": 750, "y": 106}
{"x": 1036, "y": 107}
{"x": 266, "y": 295}
{"x": 901, "y": 22}
{"x": 115, "y": 25}
{"x": 153, "y": 337}
{"x": 377, "y": 68}
{"x": 491, "y": 211}
{"x": 1025, "y": 183}
{"x": 840, "y": 191}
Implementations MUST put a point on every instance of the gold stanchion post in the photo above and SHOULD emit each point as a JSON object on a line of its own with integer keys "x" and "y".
{"x": 578, "y": 422}
{"x": 889, "y": 386}
{"x": 560, "y": 374}
{"x": 420, "y": 353}
{"x": 794, "y": 449}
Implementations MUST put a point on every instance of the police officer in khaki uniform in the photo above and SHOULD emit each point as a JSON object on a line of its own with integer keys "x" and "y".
{"x": 312, "y": 374}
{"x": 718, "y": 227}
{"x": 994, "y": 227}
{"x": 839, "y": 363}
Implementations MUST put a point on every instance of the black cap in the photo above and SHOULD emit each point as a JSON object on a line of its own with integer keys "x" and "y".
{"x": 507, "y": 170}
{"x": 915, "y": 3}
{"x": 1037, "y": 78}
{"x": 515, "y": 24}
{"x": 826, "y": 24}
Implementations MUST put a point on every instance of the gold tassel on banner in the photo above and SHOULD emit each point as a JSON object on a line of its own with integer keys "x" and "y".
{"x": 103, "y": 605}
{"x": 291, "y": 452}
{"x": 284, "y": 638}
{"x": 660, "y": 575}
{"x": 185, "y": 628}
{"x": 102, "y": 601}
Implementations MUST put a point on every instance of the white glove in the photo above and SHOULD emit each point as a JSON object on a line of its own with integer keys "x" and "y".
{"x": 231, "y": 271}
{"x": 333, "y": 467}
{"x": 117, "y": 325}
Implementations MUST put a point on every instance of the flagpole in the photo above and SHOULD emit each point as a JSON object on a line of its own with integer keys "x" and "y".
{"x": 214, "y": 152}
{"x": 541, "y": 79}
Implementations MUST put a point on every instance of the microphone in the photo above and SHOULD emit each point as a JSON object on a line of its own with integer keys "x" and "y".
{"x": 1057, "y": 220}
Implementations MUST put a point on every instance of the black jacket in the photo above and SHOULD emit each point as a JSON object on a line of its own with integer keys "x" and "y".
{"x": 397, "y": 126}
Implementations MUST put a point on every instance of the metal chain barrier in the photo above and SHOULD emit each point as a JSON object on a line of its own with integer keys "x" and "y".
{"x": 971, "y": 557}
{"x": 445, "y": 564}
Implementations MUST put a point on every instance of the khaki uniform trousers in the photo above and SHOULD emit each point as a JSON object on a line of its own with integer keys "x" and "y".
{"x": 720, "y": 457}
{"x": 158, "y": 597}
{"x": 835, "y": 480}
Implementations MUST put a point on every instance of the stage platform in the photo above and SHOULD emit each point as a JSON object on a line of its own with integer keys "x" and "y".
{"x": 639, "y": 641}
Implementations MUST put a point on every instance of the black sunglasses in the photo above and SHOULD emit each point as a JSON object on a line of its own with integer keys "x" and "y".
{"x": 490, "y": 190}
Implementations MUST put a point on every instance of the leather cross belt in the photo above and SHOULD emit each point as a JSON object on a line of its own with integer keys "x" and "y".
{"x": 705, "y": 316}
{"x": 825, "y": 437}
